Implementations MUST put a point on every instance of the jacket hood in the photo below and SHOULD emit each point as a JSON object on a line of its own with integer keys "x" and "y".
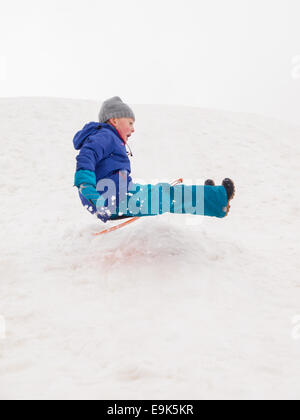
{"x": 89, "y": 130}
{"x": 82, "y": 135}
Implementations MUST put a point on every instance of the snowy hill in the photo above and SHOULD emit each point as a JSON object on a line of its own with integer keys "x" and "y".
{"x": 172, "y": 306}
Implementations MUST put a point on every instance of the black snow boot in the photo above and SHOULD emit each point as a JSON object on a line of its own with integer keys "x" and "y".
{"x": 230, "y": 189}
{"x": 210, "y": 183}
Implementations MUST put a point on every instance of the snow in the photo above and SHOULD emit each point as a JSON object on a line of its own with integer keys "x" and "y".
{"x": 171, "y": 307}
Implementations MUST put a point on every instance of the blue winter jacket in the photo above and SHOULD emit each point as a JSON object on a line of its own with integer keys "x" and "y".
{"x": 102, "y": 155}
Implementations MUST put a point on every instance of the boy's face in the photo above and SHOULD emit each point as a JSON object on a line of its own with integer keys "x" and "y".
{"x": 125, "y": 126}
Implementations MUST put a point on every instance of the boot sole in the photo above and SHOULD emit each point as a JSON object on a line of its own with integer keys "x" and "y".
{"x": 231, "y": 198}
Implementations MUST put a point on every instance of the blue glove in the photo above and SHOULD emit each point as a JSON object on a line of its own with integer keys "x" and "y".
{"x": 85, "y": 181}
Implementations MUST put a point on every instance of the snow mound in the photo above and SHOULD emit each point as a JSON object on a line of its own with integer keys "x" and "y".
{"x": 171, "y": 306}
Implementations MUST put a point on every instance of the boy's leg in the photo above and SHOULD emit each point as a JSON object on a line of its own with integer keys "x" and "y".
{"x": 200, "y": 200}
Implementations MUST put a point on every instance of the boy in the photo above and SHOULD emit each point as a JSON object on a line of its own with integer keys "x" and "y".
{"x": 105, "y": 185}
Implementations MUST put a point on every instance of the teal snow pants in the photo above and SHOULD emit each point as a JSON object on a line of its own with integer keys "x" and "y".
{"x": 153, "y": 200}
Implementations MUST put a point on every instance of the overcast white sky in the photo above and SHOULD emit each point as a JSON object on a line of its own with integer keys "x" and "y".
{"x": 239, "y": 55}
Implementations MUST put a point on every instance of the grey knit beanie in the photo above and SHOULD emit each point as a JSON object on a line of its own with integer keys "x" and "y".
{"x": 115, "y": 108}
